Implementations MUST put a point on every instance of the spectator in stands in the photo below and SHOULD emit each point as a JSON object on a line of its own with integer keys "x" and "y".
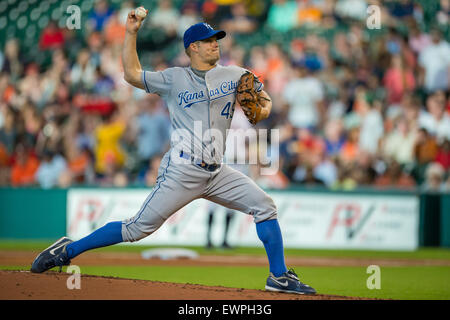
{"x": 308, "y": 143}
{"x": 337, "y": 99}
{"x": 99, "y": 17}
{"x": 79, "y": 158}
{"x": 309, "y": 178}
{"x": 395, "y": 177}
{"x": 425, "y": 151}
{"x": 282, "y": 15}
{"x": 151, "y": 124}
{"x": 372, "y": 128}
{"x": 398, "y": 80}
{"x": 13, "y": 63}
{"x": 104, "y": 84}
{"x": 239, "y": 22}
{"x": 435, "y": 60}
{"x": 402, "y": 9}
{"x": 363, "y": 169}
{"x": 435, "y": 119}
{"x": 84, "y": 134}
{"x": 95, "y": 44}
{"x": 165, "y": 18}
{"x": 258, "y": 62}
{"x": 4, "y": 166}
{"x": 80, "y": 164}
{"x": 425, "y": 148}
{"x": 82, "y": 75}
{"x": 399, "y": 144}
{"x": 209, "y": 13}
{"x": 443, "y": 154}
{"x": 304, "y": 95}
{"x": 418, "y": 40}
{"x": 25, "y": 165}
{"x": 434, "y": 178}
{"x": 324, "y": 168}
{"x": 277, "y": 65}
{"x": 9, "y": 131}
{"x": 32, "y": 121}
{"x": 308, "y": 13}
{"x": 344, "y": 180}
{"x": 341, "y": 50}
{"x": 52, "y": 37}
{"x": 350, "y": 149}
{"x": 411, "y": 107}
{"x": 109, "y": 155}
{"x": 446, "y": 186}
{"x": 114, "y": 30}
{"x": 189, "y": 15}
{"x": 120, "y": 179}
{"x": 353, "y": 9}
{"x": 334, "y": 137}
{"x": 125, "y": 8}
{"x": 442, "y": 15}
{"x": 50, "y": 169}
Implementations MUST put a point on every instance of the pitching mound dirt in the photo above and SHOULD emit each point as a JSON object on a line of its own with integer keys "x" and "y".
{"x": 53, "y": 285}
{"x": 23, "y": 285}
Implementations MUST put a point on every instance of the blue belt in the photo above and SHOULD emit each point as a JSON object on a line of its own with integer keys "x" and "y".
{"x": 201, "y": 164}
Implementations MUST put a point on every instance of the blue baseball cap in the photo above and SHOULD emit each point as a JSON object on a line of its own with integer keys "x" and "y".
{"x": 201, "y": 31}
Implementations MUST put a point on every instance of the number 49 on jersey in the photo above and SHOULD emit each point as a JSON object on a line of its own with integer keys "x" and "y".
{"x": 226, "y": 112}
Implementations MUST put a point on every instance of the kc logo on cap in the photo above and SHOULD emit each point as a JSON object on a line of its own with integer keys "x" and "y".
{"x": 207, "y": 25}
{"x": 201, "y": 31}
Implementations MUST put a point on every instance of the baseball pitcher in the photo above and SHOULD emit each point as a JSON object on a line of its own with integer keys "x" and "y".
{"x": 201, "y": 100}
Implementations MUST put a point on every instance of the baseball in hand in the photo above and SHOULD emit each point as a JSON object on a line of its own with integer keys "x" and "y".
{"x": 141, "y": 12}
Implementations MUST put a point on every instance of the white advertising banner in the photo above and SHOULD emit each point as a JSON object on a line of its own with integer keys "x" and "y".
{"x": 307, "y": 219}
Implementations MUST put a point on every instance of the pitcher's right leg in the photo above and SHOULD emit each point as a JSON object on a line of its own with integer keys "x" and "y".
{"x": 176, "y": 187}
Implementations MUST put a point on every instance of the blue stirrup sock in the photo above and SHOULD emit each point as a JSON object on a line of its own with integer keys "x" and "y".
{"x": 109, "y": 234}
{"x": 270, "y": 234}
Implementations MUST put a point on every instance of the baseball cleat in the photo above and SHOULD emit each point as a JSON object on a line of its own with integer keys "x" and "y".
{"x": 53, "y": 256}
{"x": 288, "y": 282}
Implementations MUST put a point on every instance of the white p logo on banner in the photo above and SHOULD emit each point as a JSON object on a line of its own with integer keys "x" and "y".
{"x": 374, "y": 19}
{"x": 373, "y": 281}
{"x": 74, "y": 20}
{"x": 74, "y": 281}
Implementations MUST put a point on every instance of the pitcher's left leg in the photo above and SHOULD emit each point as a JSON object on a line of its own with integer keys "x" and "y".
{"x": 235, "y": 190}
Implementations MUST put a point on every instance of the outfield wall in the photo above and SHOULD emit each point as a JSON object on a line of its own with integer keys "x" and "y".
{"x": 310, "y": 218}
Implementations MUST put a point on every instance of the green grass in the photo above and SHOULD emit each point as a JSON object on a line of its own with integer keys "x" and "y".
{"x": 421, "y": 283}
{"x": 422, "y": 253}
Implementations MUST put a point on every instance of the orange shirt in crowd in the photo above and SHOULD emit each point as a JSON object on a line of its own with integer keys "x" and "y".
{"x": 114, "y": 32}
{"x": 427, "y": 151}
{"x": 349, "y": 151}
{"x": 309, "y": 15}
{"x": 4, "y": 157}
{"x": 78, "y": 164}
{"x": 23, "y": 173}
{"x": 8, "y": 93}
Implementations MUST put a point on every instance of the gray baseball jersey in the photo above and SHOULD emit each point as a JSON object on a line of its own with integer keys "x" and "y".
{"x": 201, "y": 110}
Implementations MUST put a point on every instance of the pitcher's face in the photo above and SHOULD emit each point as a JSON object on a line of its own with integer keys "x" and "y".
{"x": 208, "y": 50}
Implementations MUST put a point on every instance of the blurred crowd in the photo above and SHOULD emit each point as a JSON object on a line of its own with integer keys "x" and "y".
{"x": 354, "y": 110}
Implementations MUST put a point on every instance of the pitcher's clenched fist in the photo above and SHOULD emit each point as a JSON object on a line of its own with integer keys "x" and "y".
{"x": 134, "y": 21}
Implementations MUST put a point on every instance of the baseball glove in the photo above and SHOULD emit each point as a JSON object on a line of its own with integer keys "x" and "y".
{"x": 247, "y": 97}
